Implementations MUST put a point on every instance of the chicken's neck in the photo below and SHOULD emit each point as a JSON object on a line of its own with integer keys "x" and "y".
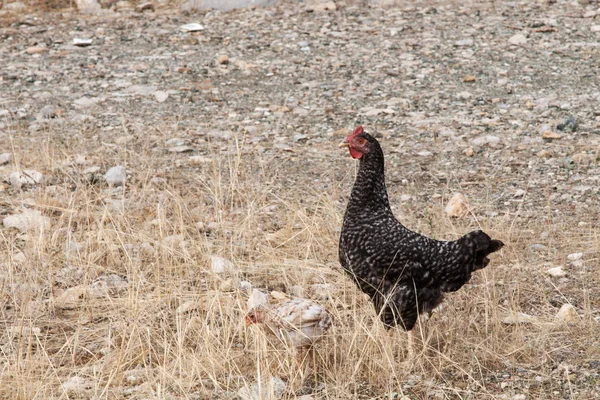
{"x": 369, "y": 188}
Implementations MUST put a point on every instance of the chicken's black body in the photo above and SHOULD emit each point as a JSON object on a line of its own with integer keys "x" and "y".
{"x": 403, "y": 272}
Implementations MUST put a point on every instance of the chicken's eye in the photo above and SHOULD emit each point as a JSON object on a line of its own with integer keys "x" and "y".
{"x": 361, "y": 141}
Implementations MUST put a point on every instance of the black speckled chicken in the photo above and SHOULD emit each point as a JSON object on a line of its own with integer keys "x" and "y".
{"x": 403, "y": 272}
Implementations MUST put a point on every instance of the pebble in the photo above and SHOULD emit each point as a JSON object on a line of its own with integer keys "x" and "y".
{"x": 566, "y": 314}
{"x": 321, "y": 6}
{"x": 27, "y": 177}
{"x": 219, "y": 265}
{"x": 489, "y": 140}
{"x": 76, "y": 384}
{"x": 595, "y": 28}
{"x": 187, "y": 307}
{"x": 464, "y": 43}
{"x": 193, "y": 27}
{"x": 537, "y": 246}
{"x": 15, "y": 7}
{"x": 575, "y": 256}
{"x": 79, "y": 42}
{"x": 222, "y": 59}
{"x": 86, "y": 102}
{"x": 518, "y": 39}
{"x": 557, "y": 272}
{"x": 161, "y": 96}
{"x": 520, "y": 193}
{"x": 569, "y": 124}
{"x": 5, "y": 158}
{"x": 115, "y": 176}
{"x": 180, "y": 149}
{"x": 144, "y": 6}
{"x": 457, "y": 206}
{"x": 273, "y": 389}
{"x": 36, "y": 50}
{"x": 464, "y": 95}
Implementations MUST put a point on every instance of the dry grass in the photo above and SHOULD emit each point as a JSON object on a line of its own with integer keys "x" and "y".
{"x": 277, "y": 220}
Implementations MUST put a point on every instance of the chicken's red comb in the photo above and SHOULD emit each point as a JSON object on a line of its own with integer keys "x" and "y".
{"x": 359, "y": 129}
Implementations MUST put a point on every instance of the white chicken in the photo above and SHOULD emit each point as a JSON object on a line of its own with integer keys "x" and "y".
{"x": 299, "y": 323}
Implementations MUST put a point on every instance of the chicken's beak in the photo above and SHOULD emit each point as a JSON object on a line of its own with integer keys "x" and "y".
{"x": 344, "y": 144}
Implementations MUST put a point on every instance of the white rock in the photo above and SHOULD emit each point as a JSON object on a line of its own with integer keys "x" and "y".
{"x": 88, "y": 6}
{"x": 27, "y": 177}
{"x": 28, "y": 220}
{"x": 76, "y": 295}
{"x": 272, "y": 390}
{"x": 280, "y": 296}
{"x": 16, "y": 6}
{"x": 557, "y": 272}
{"x": 76, "y": 384}
{"x": 519, "y": 318}
{"x": 566, "y": 314}
{"x": 24, "y": 330}
{"x": 425, "y": 153}
{"x": 219, "y": 264}
{"x": 457, "y": 207}
{"x": 82, "y": 42}
{"x": 489, "y": 140}
{"x": 161, "y": 96}
{"x": 518, "y": 39}
{"x": 257, "y": 298}
{"x": 520, "y": 193}
{"x": 464, "y": 95}
{"x": 86, "y": 102}
{"x": 464, "y": 43}
{"x": 575, "y": 256}
{"x": 193, "y": 27}
{"x": 115, "y": 176}
{"x": 595, "y": 28}
{"x": 5, "y": 158}
{"x": 245, "y": 286}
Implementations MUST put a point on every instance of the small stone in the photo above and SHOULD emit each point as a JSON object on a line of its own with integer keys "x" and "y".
{"x": 15, "y": 7}
{"x": 469, "y": 152}
{"x": 257, "y": 298}
{"x": 457, "y": 207}
{"x": 489, "y": 140}
{"x": 566, "y": 314}
{"x": 115, "y": 176}
{"x": 36, "y": 50}
{"x": 27, "y": 177}
{"x": 199, "y": 160}
{"x": 469, "y": 78}
{"x": 193, "y": 27}
{"x": 518, "y": 39}
{"x": 520, "y": 193}
{"x": 76, "y": 384}
{"x": 82, "y": 42}
{"x": 144, "y": 6}
{"x": 272, "y": 389}
{"x": 557, "y": 272}
{"x": 161, "y": 96}
{"x": 24, "y": 331}
{"x": 593, "y": 28}
{"x": 464, "y": 43}
{"x": 550, "y": 135}
{"x": 520, "y": 396}
{"x": 569, "y": 124}
{"x": 425, "y": 153}
{"x": 464, "y": 95}
{"x": 219, "y": 265}
{"x": 223, "y": 59}
{"x": 180, "y": 149}
{"x": 5, "y": 158}
{"x": 320, "y": 7}
{"x": 575, "y": 256}
{"x": 246, "y": 286}
{"x": 86, "y": 102}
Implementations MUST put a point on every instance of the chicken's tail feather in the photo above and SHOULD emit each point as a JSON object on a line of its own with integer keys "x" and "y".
{"x": 484, "y": 245}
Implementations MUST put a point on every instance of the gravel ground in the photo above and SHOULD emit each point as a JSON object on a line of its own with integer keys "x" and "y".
{"x": 499, "y": 101}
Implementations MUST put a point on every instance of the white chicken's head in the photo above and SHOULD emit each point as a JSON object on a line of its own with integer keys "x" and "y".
{"x": 255, "y": 316}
